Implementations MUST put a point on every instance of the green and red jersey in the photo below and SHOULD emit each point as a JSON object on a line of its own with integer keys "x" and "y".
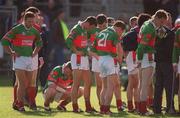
{"x": 147, "y": 37}
{"x": 176, "y": 49}
{"x": 57, "y": 77}
{"x": 92, "y": 34}
{"x": 22, "y": 39}
{"x": 105, "y": 42}
{"x": 78, "y": 39}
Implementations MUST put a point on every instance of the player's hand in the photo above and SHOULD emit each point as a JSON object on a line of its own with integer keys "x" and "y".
{"x": 41, "y": 60}
{"x": 14, "y": 55}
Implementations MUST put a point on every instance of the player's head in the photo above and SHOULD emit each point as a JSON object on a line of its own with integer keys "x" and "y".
{"x": 101, "y": 21}
{"x": 133, "y": 21}
{"x": 120, "y": 27}
{"x": 29, "y": 19}
{"x": 67, "y": 69}
{"x": 160, "y": 17}
{"x": 111, "y": 21}
{"x": 142, "y": 18}
{"x": 90, "y": 22}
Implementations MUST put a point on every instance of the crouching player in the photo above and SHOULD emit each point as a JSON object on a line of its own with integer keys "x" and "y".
{"x": 58, "y": 87}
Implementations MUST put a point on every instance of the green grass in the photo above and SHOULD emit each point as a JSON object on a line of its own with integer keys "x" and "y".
{"x": 6, "y": 110}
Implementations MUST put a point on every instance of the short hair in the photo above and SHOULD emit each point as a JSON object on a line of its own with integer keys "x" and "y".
{"x": 101, "y": 18}
{"x": 161, "y": 14}
{"x": 91, "y": 20}
{"x": 142, "y": 18}
{"x": 29, "y": 15}
{"x": 33, "y": 9}
{"x": 134, "y": 18}
{"x": 120, "y": 23}
{"x": 110, "y": 20}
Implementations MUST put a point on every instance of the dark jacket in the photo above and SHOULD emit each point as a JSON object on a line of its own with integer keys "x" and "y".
{"x": 164, "y": 47}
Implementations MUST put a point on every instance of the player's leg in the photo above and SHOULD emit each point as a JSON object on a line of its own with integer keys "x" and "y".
{"x": 117, "y": 93}
{"x": 76, "y": 83}
{"x": 49, "y": 95}
{"x": 31, "y": 90}
{"x": 87, "y": 90}
{"x": 103, "y": 95}
{"x": 136, "y": 90}
{"x": 146, "y": 81}
{"x": 15, "y": 94}
{"x": 21, "y": 78}
{"x": 130, "y": 93}
{"x": 98, "y": 85}
{"x": 150, "y": 95}
{"x": 109, "y": 92}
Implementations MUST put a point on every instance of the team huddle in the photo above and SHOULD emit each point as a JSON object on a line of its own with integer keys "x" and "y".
{"x": 105, "y": 42}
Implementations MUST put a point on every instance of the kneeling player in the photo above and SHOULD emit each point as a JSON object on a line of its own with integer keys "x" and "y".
{"x": 58, "y": 87}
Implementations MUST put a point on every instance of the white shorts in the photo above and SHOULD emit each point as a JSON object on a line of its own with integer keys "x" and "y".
{"x": 84, "y": 62}
{"x": 106, "y": 66}
{"x": 131, "y": 65}
{"x": 95, "y": 65}
{"x": 146, "y": 63}
{"x": 26, "y": 63}
{"x": 117, "y": 69}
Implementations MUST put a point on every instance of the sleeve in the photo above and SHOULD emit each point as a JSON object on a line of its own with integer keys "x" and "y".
{"x": 69, "y": 41}
{"x": 8, "y": 37}
{"x": 116, "y": 39}
{"x": 53, "y": 76}
{"x": 176, "y": 48}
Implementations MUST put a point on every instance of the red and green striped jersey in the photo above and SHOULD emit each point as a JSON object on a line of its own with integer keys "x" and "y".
{"x": 105, "y": 42}
{"x": 78, "y": 38}
{"x": 147, "y": 37}
{"x": 22, "y": 39}
{"x": 176, "y": 49}
{"x": 57, "y": 76}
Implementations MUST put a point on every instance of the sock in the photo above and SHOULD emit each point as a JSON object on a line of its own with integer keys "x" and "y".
{"x": 102, "y": 108}
{"x": 88, "y": 105}
{"x": 130, "y": 105}
{"x": 150, "y": 101}
{"x": 75, "y": 106}
{"x": 118, "y": 103}
{"x": 31, "y": 95}
{"x": 137, "y": 106}
{"x": 15, "y": 94}
{"x": 143, "y": 107}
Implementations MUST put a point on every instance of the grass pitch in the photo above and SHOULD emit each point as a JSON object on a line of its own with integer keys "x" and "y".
{"x": 6, "y": 111}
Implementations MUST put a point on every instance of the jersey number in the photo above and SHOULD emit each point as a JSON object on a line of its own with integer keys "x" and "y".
{"x": 103, "y": 38}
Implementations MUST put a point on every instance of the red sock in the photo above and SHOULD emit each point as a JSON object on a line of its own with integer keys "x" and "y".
{"x": 15, "y": 93}
{"x": 143, "y": 107}
{"x": 88, "y": 105}
{"x": 64, "y": 103}
{"x": 75, "y": 106}
{"x": 20, "y": 104}
{"x": 31, "y": 95}
{"x": 102, "y": 108}
{"x": 130, "y": 105}
{"x": 137, "y": 106}
{"x": 106, "y": 108}
{"x": 150, "y": 102}
{"x": 118, "y": 103}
